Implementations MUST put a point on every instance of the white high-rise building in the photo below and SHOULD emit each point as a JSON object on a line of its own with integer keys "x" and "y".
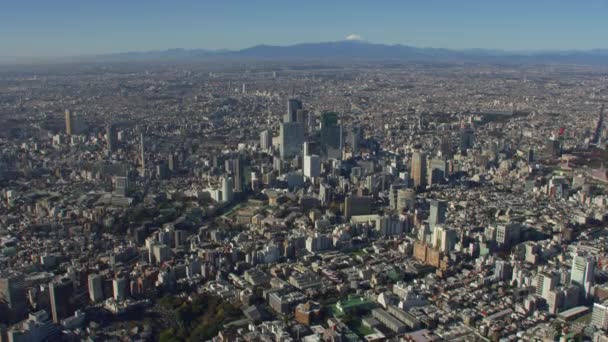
{"x": 312, "y": 166}
{"x": 582, "y": 272}
{"x": 227, "y": 194}
{"x": 266, "y": 140}
{"x": 142, "y": 154}
{"x": 444, "y": 239}
{"x": 119, "y": 285}
{"x": 599, "y": 317}
{"x": 306, "y": 148}
{"x": 545, "y": 282}
{"x": 95, "y": 287}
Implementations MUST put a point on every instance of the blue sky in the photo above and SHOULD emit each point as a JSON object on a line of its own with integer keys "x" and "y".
{"x": 36, "y": 28}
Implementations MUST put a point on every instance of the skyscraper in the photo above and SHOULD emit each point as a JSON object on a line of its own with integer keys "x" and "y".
{"x": 406, "y": 199}
{"x": 227, "y": 189}
{"x": 545, "y": 282}
{"x": 325, "y": 193}
{"x": 302, "y": 118}
{"x": 332, "y": 139}
{"x": 142, "y": 154}
{"x": 69, "y": 122}
{"x": 95, "y": 282}
{"x": 418, "y": 169}
{"x": 446, "y": 147}
{"x": 12, "y": 292}
{"x": 582, "y": 272}
{"x": 467, "y": 138}
{"x": 438, "y": 171}
{"x": 265, "y": 140}
{"x": 599, "y": 317}
{"x": 172, "y": 162}
{"x": 354, "y": 205}
{"x": 239, "y": 168}
{"x": 354, "y": 138}
{"x": 312, "y": 166}
{"x": 61, "y": 293}
{"x": 119, "y": 286}
{"x": 438, "y": 212}
{"x": 553, "y": 148}
{"x": 293, "y": 105}
{"x": 291, "y": 136}
{"x": 239, "y": 173}
{"x": 444, "y": 239}
{"x": 111, "y": 137}
{"x": 393, "y": 195}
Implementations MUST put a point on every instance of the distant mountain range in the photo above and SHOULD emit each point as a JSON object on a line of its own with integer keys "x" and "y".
{"x": 356, "y": 50}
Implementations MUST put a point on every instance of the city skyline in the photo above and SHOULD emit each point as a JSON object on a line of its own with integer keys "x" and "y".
{"x": 386, "y": 171}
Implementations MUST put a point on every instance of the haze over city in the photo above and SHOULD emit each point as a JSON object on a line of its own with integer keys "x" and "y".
{"x": 236, "y": 171}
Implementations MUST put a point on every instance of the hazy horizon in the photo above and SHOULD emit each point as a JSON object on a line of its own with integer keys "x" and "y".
{"x": 41, "y": 29}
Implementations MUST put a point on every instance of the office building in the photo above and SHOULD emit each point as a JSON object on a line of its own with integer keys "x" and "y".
{"x": 503, "y": 270}
{"x": 312, "y": 166}
{"x": 142, "y": 155}
{"x": 306, "y": 149}
{"x": 119, "y": 286}
{"x": 61, "y": 293}
{"x": 438, "y": 171}
{"x": 70, "y": 122}
{"x": 354, "y": 138}
{"x": 582, "y": 273}
{"x": 438, "y": 212}
{"x": 444, "y": 239}
{"x": 508, "y": 235}
{"x": 12, "y": 292}
{"x": 418, "y": 169}
{"x": 95, "y": 285}
{"x": 238, "y": 167}
{"x": 325, "y": 193}
{"x": 266, "y": 140}
{"x": 410, "y": 320}
{"x": 445, "y": 148}
{"x": 227, "y": 194}
{"x": 545, "y": 282}
{"x": 293, "y": 105}
{"x": 111, "y": 137}
{"x": 599, "y": 316}
{"x": 357, "y": 206}
{"x": 553, "y": 148}
{"x": 37, "y": 327}
{"x": 467, "y": 138}
{"x": 389, "y": 321}
{"x": 172, "y": 162}
{"x": 291, "y": 136}
{"x": 393, "y": 194}
{"x": 302, "y": 118}
{"x": 406, "y": 199}
{"x": 161, "y": 253}
{"x": 331, "y": 135}
{"x": 401, "y": 197}
{"x": 310, "y": 148}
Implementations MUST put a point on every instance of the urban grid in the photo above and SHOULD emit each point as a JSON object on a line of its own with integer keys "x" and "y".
{"x": 304, "y": 201}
